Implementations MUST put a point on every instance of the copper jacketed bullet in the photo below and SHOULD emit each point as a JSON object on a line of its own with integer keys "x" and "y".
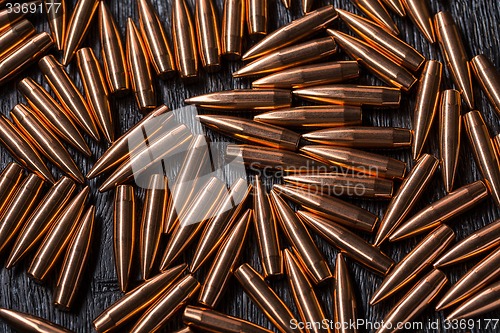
{"x": 225, "y": 262}
{"x": 485, "y": 301}
{"x": 420, "y": 14}
{"x": 42, "y": 218}
{"x": 450, "y": 124}
{"x": 376, "y": 62}
{"x": 266, "y": 299}
{"x": 244, "y": 99}
{"x": 24, "y": 322}
{"x": 8, "y": 17}
{"x": 124, "y": 233}
{"x": 56, "y": 14}
{"x": 252, "y": 132}
{"x": 290, "y": 56}
{"x": 293, "y": 32}
{"x": 74, "y": 263}
{"x": 484, "y": 152}
{"x": 415, "y": 262}
{"x": 488, "y": 78}
{"x": 97, "y": 91}
{"x": 358, "y": 161}
{"x": 407, "y": 196}
{"x": 186, "y": 54}
{"x": 453, "y": 51}
{"x": 155, "y": 39}
{"x": 485, "y": 239}
{"x": 257, "y": 17}
{"x": 113, "y": 52}
{"x": 303, "y": 245}
{"x": 352, "y": 245}
{"x": 79, "y": 24}
{"x": 344, "y": 299}
{"x": 58, "y": 237}
{"x": 310, "y": 75}
{"x": 68, "y": 95}
{"x": 346, "y": 94}
{"x": 377, "y": 12}
{"x": 266, "y": 229}
{"x": 14, "y": 35}
{"x": 414, "y": 302}
{"x": 10, "y": 178}
{"x": 233, "y": 24}
{"x": 396, "y": 6}
{"x": 388, "y": 44}
{"x": 136, "y": 301}
{"x": 207, "y": 30}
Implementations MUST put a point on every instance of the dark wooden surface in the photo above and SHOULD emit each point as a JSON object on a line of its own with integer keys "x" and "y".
{"x": 478, "y": 21}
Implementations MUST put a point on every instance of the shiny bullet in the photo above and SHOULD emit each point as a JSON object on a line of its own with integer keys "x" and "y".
{"x": 488, "y": 78}
{"x": 396, "y": 6}
{"x": 74, "y": 263}
{"x": 303, "y": 245}
{"x": 207, "y": 30}
{"x": 415, "y": 262}
{"x": 484, "y": 152}
{"x": 186, "y": 54}
{"x": 420, "y": 14}
{"x": 56, "y": 14}
{"x": 348, "y": 242}
{"x": 24, "y": 322}
{"x": 344, "y": 299}
{"x": 252, "y": 132}
{"x": 233, "y": 24}
{"x": 415, "y": 301}
{"x": 444, "y": 209}
{"x": 113, "y": 52}
{"x": 377, "y": 12}
{"x": 310, "y": 75}
{"x": 8, "y": 17}
{"x": 68, "y": 95}
{"x": 265, "y": 298}
{"x": 79, "y": 24}
{"x": 244, "y": 99}
{"x": 15, "y": 35}
{"x": 136, "y": 300}
{"x": 124, "y": 233}
{"x": 290, "y": 56}
{"x": 483, "y": 302}
{"x": 358, "y": 161}
{"x": 155, "y": 39}
{"x": 10, "y": 178}
{"x": 348, "y": 94}
{"x": 386, "y": 43}
{"x": 224, "y": 263}
{"x": 293, "y": 32}
{"x": 450, "y": 124}
{"x": 407, "y": 196}
{"x": 376, "y": 62}
{"x": 58, "y": 237}
{"x": 453, "y": 51}
{"x": 257, "y": 17}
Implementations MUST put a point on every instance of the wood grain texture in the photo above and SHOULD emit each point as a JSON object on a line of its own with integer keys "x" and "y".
{"x": 478, "y": 21}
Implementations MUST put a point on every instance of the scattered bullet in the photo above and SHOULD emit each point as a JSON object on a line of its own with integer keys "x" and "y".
{"x": 24, "y": 322}
{"x": 344, "y": 300}
{"x": 483, "y": 302}
{"x": 124, "y": 233}
{"x": 488, "y": 78}
{"x": 450, "y": 124}
{"x": 420, "y": 14}
{"x": 15, "y": 35}
{"x": 377, "y": 12}
{"x": 10, "y": 178}
{"x": 257, "y": 17}
{"x": 207, "y": 30}
{"x": 186, "y": 54}
{"x": 244, "y": 99}
{"x": 56, "y": 14}
{"x": 396, "y": 6}
{"x": 233, "y": 24}
{"x": 9, "y": 17}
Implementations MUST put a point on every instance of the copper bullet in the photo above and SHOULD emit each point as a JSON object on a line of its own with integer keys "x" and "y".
{"x": 190, "y": 222}
{"x": 14, "y": 35}
{"x": 484, "y": 152}
{"x": 244, "y": 99}
{"x": 257, "y": 17}
{"x": 219, "y": 225}
{"x": 209, "y": 320}
{"x": 310, "y": 75}
{"x": 8, "y": 17}
{"x": 488, "y": 78}
{"x": 124, "y": 233}
{"x": 73, "y": 266}
{"x": 415, "y": 301}
{"x": 153, "y": 217}
{"x": 46, "y": 143}
{"x": 21, "y": 150}
{"x": 344, "y": 299}
{"x": 303, "y": 245}
{"x": 224, "y": 263}
{"x": 233, "y": 21}
{"x": 351, "y": 244}
{"x": 113, "y": 52}
{"x": 415, "y": 262}
{"x": 450, "y": 124}
{"x": 420, "y": 14}
{"x": 376, "y": 62}
{"x": 24, "y": 322}
{"x": 207, "y": 30}
{"x": 290, "y": 56}
{"x": 396, "y": 6}
{"x": 453, "y": 51}
{"x": 407, "y": 196}
{"x": 386, "y": 43}
{"x": 444, "y": 209}
{"x": 186, "y": 54}
{"x": 155, "y": 39}
{"x": 348, "y": 94}
{"x": 68, "y": 95}
{"x": 313, "y": 116}
{"x": 58, "y": 237}
{"x": 56, "y": 14}
{"x": 79, "y": 24}
{"x": 10, "y": 178}
{"x": 252, "y": 132}
{"x": 266, "y": 299}
{"x": 19, "y": 208}
{"x": 136, "y": 301}
{"x": 484, "y": 239}
{"x": 266, "y": 230}
{"x": 185, "y": 329}
{"x": 293, "y": 32}
{"x": 377, "y": 12}
{"x": 96, "y": 90}
{"x": 358, "y": 161}
{"x": 483, "y": 302}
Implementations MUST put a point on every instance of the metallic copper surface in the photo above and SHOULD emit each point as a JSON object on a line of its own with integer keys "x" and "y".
{"x": 207, "y": 31}
{"x": 186, "y": 54}
{"x": 450, "y": 125}
{"x": 10, "y": 178}
{"x": 488, "y": 78}
{"x": 14, "y": 35}
{"x": 257, "y": 17}
{"x": 377, "y": 12}
{"x": 23, "y": 322}
{"x": 483, "y": 302}
{"x": 233, "y": 24}
{"x": 419, "y": 13}
{"x": 56, "y": 14}
{"x": 344, "y": 299}
{"x": 244, "y": 99}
